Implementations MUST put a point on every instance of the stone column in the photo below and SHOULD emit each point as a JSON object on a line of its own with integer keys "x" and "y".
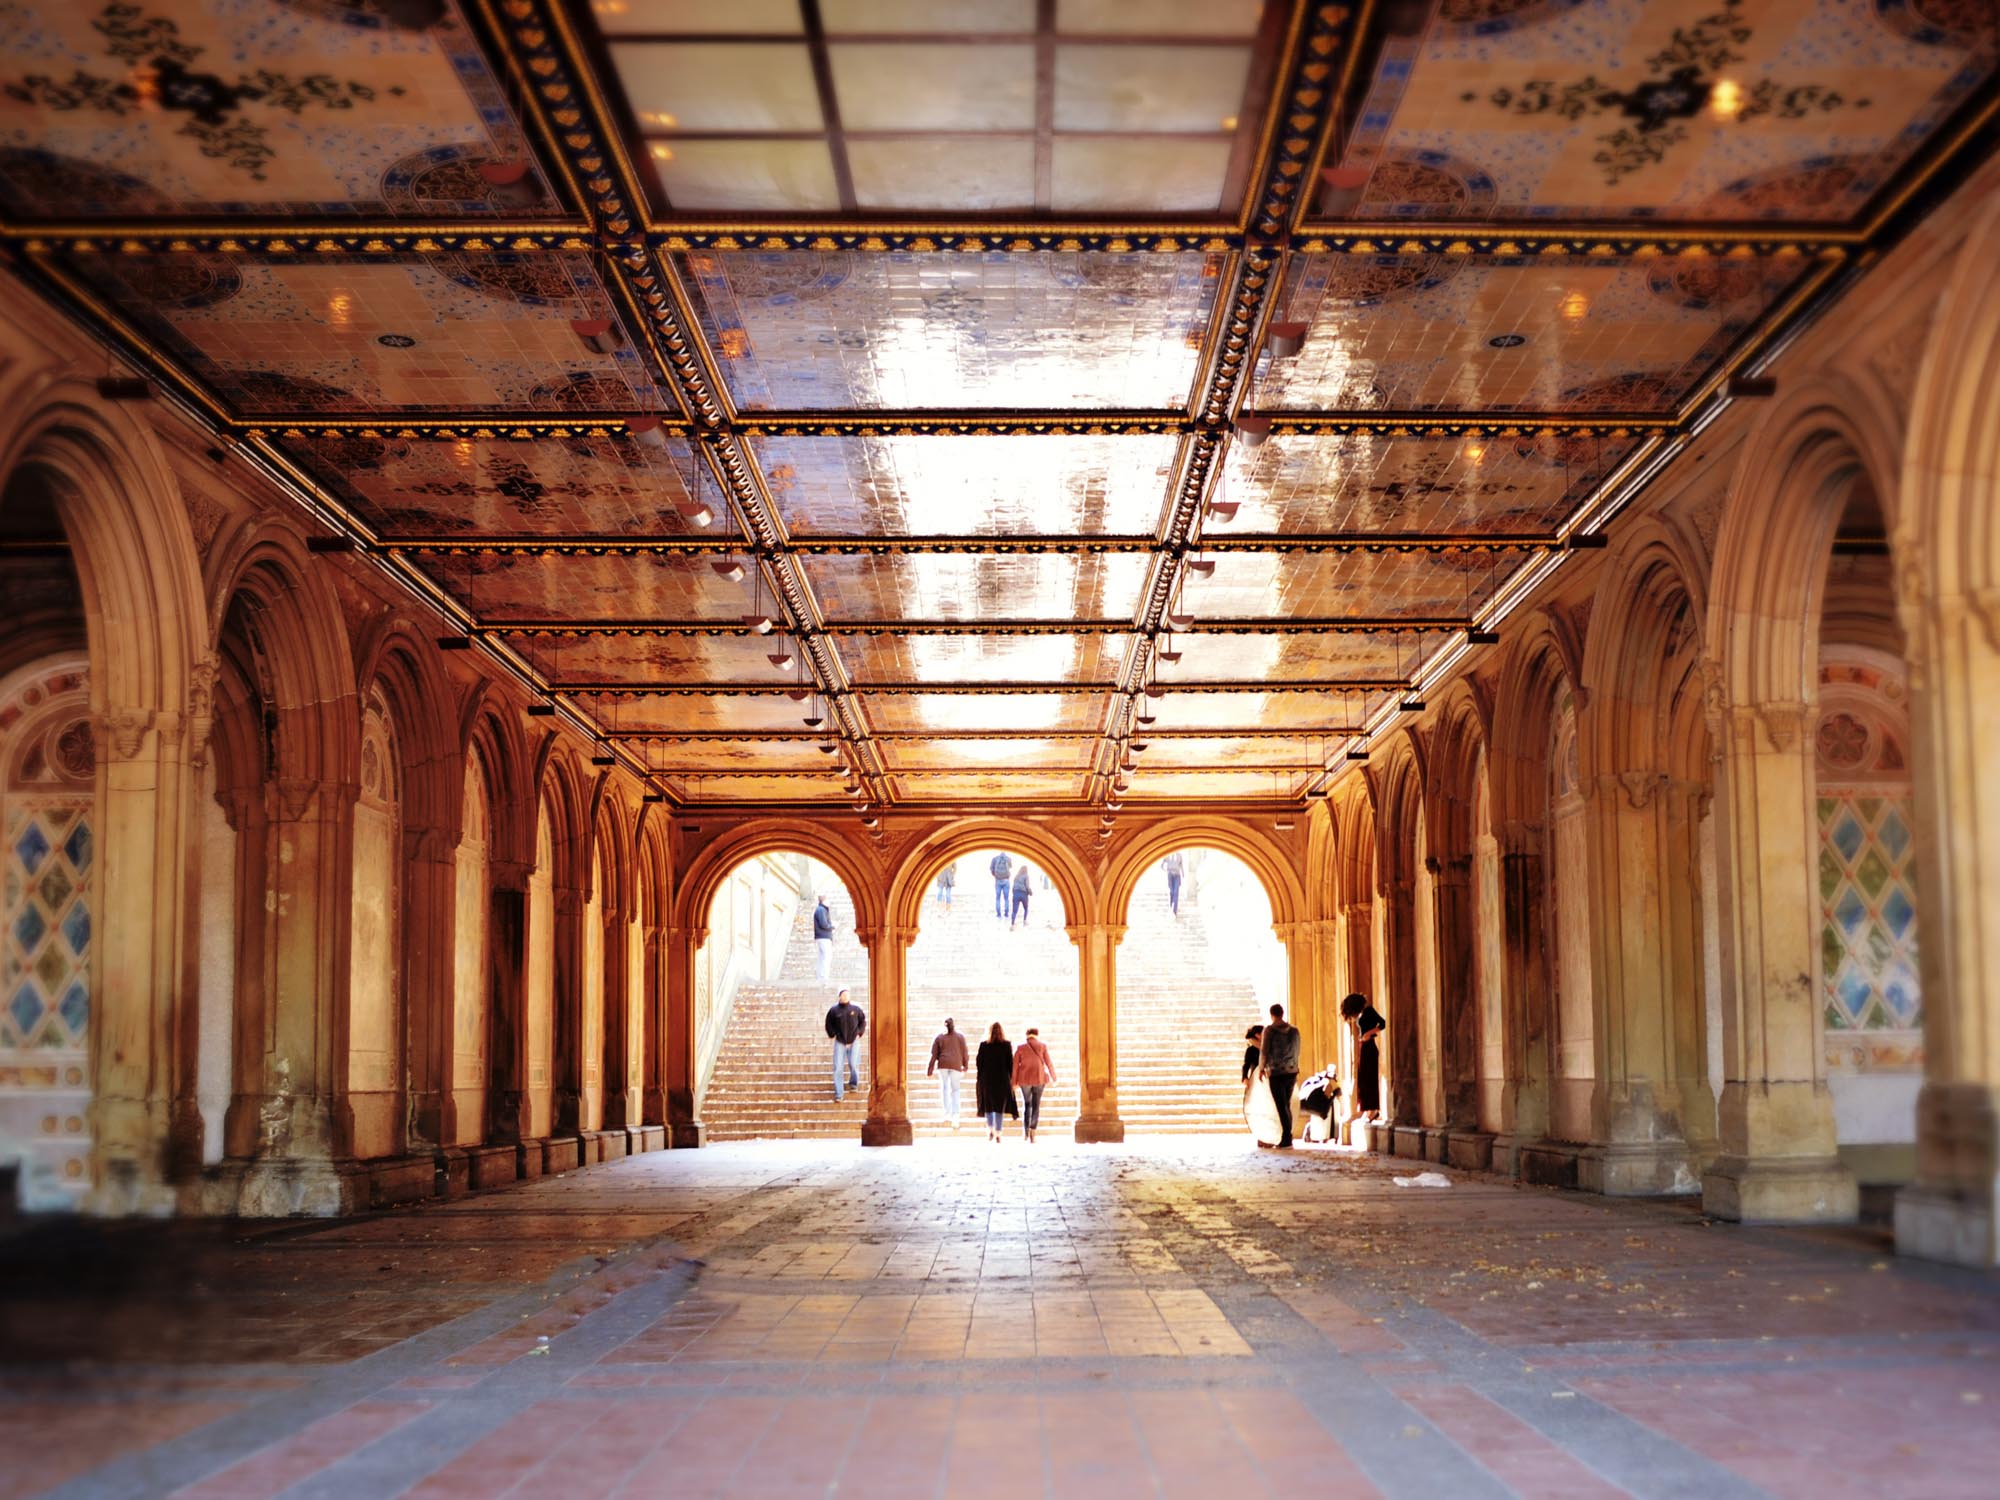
{"x": 1952, "y": 1211}
{"x": 1777, "y": 1160}
{"x": 1524, "y": 995}
{"x": 1398, "y": 1004}
{"x": 430, "y": 955}
{"x": 566, "y": 1006}
{"x": 680, "y": 1062}
{"x": 1639, "y": 1140}
{"x": 888, "y": 1122}
{"x": 301, "y": 1132}
{"x": 620, "y": 1091}
{"x": 144, "y": 797}
{"x": 1357, "y": 950}
{"x": 246, "y": 812}
{"x": 653, "y": 1100}
{"x": 186, "y": 1130}
{"x": 507, "y": 1015}
{"x": 1302, "y": 991}
{"x": 1687, "y": 804}
{"x": 1458, "y": 1005}
{"x": 1097, "y": 1030}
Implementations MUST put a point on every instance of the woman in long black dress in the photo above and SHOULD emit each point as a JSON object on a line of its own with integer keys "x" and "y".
{"x": 994, "y": 1068}
{"x": 1368, "y": 1025}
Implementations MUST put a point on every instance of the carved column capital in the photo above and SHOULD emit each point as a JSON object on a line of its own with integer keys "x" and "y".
{"x": 430, "y": 845}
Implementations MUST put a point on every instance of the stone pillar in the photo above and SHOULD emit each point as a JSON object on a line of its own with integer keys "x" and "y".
{"x": 186, "y": 1130}
{"x": 1952, "y": 1211}
{"x": 507, "y": 1015}
{"x": 430, "y": 957}
{"x": 1777, "y": 1159}
{"x": 1398, "y": 1004}
{"x": 1097, "y": 1030}
{"x": 1687, "y": 804}
{"x": 1458, "y": 1005}
{"x": 566, "y": 1005}
{"x": 1638, "y": 1138}
{"x": 1302, "y": 991}
{"x": 144, "y": 793}
{"x": 678, "y": 1035}
{"x": 620, "y": 1092}
{"x": 653, "y": 1086}
{"x": 1524, "y": 994}
{"x": 888, "y": 1122}
{"x": 301, "y": 1130}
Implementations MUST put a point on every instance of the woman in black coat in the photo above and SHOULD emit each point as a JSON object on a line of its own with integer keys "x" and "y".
{"x": 1368, "y": 1025}
{"x": 995, "y": 1069}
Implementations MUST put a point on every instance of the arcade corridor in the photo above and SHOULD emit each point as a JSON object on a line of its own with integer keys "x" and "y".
{"x": 810, "y": 1319}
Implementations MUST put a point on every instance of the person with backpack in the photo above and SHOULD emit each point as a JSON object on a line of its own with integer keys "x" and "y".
{"x": 845, "y": 1025}
{"x": 1003, "y": 882}
{"x": 947, "y": 878}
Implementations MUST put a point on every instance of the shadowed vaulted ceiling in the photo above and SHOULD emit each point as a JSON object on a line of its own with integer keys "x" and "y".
{"x": 954, "y": 342}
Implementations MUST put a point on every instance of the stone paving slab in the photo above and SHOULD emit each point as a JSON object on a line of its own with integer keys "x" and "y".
{"x": 1170, "y": 1318}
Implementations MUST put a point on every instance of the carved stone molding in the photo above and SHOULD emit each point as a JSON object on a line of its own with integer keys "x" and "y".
{"x": 201, "y": 708}
{"x": 124, "y": 730}
{"x": 1639, "y": 787}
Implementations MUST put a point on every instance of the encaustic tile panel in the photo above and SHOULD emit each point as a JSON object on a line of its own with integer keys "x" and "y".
{"x": 1287, "y": 658}
{"x": 1336, "y": 585}
{"x": 1532, "y": 333}
{"x": 1052, "y": 485}
{"x": 337, "y": 336}
{"x": 528, "y": 586}
{"x": 972, "y": 713}
{"x": 776, "y": 756}
{"x": 982, "y": 658}
{"x": 1009, "y": 754}
{"x": 1374, "y": 482}
{"x": 1793, "y": 110}
{"x": 253, "y": 107}
{"x": 974, "y": 786}
{"x": 1308, "y": 712}
{"x": 695, "y": 787}
{"x": 592, "y": 482}
{"x": 663, "y": 713}
{"x": 973, "y": 586}
{"x": 1036, "y": 331}
{"x": 674, "y": 660}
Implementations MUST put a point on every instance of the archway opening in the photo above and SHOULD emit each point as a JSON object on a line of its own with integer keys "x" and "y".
{"x": 1870, "y": 997}
{"x": 763, "y": 983}
{"x": 992, "y": 945}
{"x": 1199, "y": 964}
{"x": 48, "y": 822}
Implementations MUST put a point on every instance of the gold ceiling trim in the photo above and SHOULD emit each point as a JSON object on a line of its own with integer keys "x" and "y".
{"x": 482, "y": 427}
{"x": 1239, "y": 625}
{"x": 286, "y": 241}
{"x": 962, "y": 689}
{"x": 883, "y": 546}
{"x": 926, "y": 736}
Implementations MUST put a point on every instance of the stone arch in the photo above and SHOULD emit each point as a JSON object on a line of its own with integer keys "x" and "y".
{"x": 1947, "y": 546}
{"x": 1822, "y": 445}
{"x": 1545, "y": 662}
{"x": 1646, "y": 783}
{"x": 920, "y": 865}
{"x": 150, "y": 690}
{"x": 852, "y": 862}
{"x": 655, "y": 864}
{"x": 1275, "y": 865}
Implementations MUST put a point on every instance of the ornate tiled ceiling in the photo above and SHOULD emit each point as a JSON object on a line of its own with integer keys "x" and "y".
{"x": 826, "y": 394}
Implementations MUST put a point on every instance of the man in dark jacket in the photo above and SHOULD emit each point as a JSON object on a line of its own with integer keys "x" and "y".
{"x": 1003, "y": 882}
{"x": 846, "y": 1025}
{"x": 823, "y": 938}
{"x": 1281, "y": 1066}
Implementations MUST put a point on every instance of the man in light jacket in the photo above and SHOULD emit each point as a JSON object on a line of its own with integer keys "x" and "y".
{"x": 1034, "y": 1070}
{"x": 846, "y": 1025}
{"x": 1002, "y": 866}
{"x": 949, "y": 1059}
{"x": 1281, "y": 1066}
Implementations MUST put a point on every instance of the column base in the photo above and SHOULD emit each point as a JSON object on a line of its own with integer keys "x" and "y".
{"x": 1407, "y": 1140}
{"x": 1469, "y": 1150}
{"x": 1100, "y": 1130}
{"x": 401, "y": 1179}
{"x": 492, "y": 1166}
{"x": 1547, "y": 1163}
{"x": 1937, "y": 1224}
{"x": 561, "y": 1153}
{"x": 1803, "y": 1190}
{"x": 276, "y": 1188}
{"x": 886, "y": 1132}
{"x": 648, "y": 1138}
{"x": 686, "y": 1136}
{"x": 1653, "y": 1169}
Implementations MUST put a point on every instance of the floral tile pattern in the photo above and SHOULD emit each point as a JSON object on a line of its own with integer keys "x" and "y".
{"x": 1791, "y": 110}
{"x": 451, "y": 332}
{"x": 252, "y": 107}
{"x": 1037, "y": 331}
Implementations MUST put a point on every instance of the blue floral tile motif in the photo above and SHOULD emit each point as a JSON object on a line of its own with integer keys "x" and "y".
{"x": 76, "y": 848}
{"x": 1847, "y": 836}
{"x": 75, "y": 1008}
{"x": 76, "y": 930}
{"x": 30, "y": 929}
{"x": 25, "y": 1009}
{"x": 32, "y": 848}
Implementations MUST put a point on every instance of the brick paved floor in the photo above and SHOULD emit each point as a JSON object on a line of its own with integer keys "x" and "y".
{"x": 1174, "y": 1318}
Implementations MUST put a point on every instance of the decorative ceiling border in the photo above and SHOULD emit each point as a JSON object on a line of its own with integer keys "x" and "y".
{"x": 962, "y": 689}
{"x": 1239, "y": 625}
{"x": 848, "y": 546}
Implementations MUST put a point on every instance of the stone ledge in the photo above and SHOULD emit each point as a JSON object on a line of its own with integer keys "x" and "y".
{"x": 1547, "y": 1163}
{"x": 1099, "y": 1130}
{"x": 401, "y": 1179}
{"x": 562, "y": 1153}
{"x": 1936, "y": 1224}
{"x": 686, "y": 1136}
{"x": 1469, "y": 1150}
{"x": 1803, "y": 1190}
{"x": 647, "y": 1138}
{"x": 492, "y": 1166}
{"x": 1407, "y": 1140}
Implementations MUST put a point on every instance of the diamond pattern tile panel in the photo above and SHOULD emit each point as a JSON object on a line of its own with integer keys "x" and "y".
{"x": 1868, "y": 933}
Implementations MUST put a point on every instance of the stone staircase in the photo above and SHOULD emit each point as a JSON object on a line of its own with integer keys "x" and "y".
{"x": 773, "y": 1075}
{"x": 1180, "y": 1023}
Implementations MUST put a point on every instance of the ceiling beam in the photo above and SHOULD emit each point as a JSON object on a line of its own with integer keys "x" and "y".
{"x": 961, "y": 689}
{"x": 1229, "y": 625}
{"x": 597, "y": 545}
